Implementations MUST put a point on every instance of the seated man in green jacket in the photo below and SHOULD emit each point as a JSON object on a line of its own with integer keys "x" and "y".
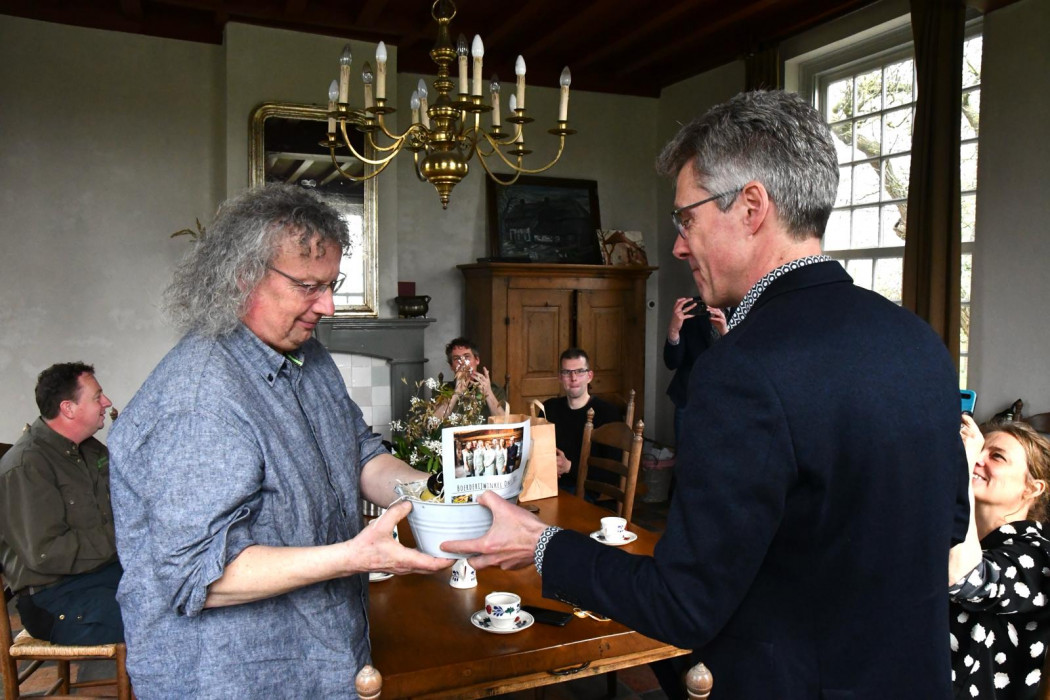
{"x": 57, "y": 547}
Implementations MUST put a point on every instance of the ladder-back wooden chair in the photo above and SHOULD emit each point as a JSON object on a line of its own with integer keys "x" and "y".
{"x": 620, "y": 436}
{"x": 26, "y": 648}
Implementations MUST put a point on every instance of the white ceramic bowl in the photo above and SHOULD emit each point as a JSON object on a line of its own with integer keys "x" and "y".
{"x": 434, "y": 522}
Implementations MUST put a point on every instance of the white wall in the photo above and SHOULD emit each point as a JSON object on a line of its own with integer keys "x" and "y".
{"x": 108, "y": 143}
{"x": 1010, "y": 336}
{"x": 679, "y": 104}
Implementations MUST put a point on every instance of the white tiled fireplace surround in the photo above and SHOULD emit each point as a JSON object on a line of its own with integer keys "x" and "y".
{"x": 374, "y": 355}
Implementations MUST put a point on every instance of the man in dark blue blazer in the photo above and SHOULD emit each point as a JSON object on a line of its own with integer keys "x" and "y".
{"x": 821, "y": 478}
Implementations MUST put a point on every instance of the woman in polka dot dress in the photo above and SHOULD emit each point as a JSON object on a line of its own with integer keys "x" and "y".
{"x": 1000, "y": 576}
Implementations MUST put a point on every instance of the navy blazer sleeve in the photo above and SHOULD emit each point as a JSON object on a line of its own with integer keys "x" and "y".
{"x": 685, "y": 592}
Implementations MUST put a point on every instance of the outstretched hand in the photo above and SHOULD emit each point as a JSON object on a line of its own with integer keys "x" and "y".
{"x": 511, "y": 541}
{"x": 382, "y": 553}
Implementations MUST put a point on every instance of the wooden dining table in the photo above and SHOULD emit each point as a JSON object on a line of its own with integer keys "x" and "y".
{"x": 425, "y": 646}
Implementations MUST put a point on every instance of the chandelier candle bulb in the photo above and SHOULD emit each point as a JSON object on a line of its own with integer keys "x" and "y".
{"x": 366, "y": 79}
{"x": 424, "y": 117}
{"x": 462, "y": 52}
{"x": 513, "y": 103}
{"x": 414, "y": 104}
{"x": 344, "y": 75}
{"x": 494, "y": 88}
{"x": 477, "y": 50}
{"x": 519, "y": 70}
{"x": 563, "y": 104}
{"x": 381, "y": 71}
{"x": 333, "y": 93}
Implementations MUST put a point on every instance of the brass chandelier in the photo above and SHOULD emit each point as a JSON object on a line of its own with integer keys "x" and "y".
{"x": 446, "y": 130}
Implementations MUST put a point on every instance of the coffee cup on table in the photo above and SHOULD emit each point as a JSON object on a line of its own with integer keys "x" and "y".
{"x": 614, "y": 529}
{"x": 503, "y": 609}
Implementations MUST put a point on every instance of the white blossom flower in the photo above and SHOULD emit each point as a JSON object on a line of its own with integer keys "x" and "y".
{"x": 431, "y": 383}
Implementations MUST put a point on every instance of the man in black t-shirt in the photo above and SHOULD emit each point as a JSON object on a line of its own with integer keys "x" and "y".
{"x": 569, "y": 413}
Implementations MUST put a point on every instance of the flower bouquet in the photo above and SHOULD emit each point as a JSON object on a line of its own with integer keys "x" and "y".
{"x": 417, "y": 436}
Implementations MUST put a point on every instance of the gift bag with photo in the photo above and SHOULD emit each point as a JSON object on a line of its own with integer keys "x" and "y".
{"x": 540, "y": 479}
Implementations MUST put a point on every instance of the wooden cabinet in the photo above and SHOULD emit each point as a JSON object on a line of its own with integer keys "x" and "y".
{"x": 523, "y": 315}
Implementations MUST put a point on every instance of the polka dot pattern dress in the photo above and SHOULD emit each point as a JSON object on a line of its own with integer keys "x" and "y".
{"x": 1000, "y": 616}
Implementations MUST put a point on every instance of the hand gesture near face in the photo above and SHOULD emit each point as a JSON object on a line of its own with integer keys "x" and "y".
{"x": 718, "y": 320}
{"x": 972, "y": 439}
{"x": 683, "y": 309}
{"x": 483, "y": 381}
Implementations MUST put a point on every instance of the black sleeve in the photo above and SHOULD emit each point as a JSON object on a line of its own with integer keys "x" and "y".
{"x": 674, "y": 354}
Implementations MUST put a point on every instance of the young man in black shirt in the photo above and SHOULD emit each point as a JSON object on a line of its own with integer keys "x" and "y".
{"x": 569, "y": 413}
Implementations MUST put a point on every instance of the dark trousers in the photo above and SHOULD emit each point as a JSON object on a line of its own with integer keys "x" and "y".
{"x": 81, "y": 609}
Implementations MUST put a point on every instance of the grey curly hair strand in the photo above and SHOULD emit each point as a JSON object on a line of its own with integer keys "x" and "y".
{"x": 212, "y": 285}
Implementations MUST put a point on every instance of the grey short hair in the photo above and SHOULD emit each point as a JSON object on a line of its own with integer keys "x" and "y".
{"x": 212, "y": 285}
{"x": 773, "y": 137}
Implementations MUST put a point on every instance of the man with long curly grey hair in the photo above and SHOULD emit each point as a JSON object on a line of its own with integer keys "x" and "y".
{"x": 820, "y": 474}
{"x": 238, "y": 471}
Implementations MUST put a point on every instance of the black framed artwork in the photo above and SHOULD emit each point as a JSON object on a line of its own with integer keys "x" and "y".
{"x": 545, "y": 219}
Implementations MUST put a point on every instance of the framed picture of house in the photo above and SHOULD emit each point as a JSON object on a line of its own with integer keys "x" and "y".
{"x": 545, "y": 219}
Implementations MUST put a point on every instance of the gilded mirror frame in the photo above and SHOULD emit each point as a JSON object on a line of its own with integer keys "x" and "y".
{"x": 257, "y": 162}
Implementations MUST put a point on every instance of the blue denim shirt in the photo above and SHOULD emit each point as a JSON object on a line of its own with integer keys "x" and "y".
{"x": 228, "y": 444}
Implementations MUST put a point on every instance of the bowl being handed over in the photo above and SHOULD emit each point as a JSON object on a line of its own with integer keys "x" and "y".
{"x": 434, "y": 522}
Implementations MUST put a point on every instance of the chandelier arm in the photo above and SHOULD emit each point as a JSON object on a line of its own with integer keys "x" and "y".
{"x": 397, "y": 137}
{"x": 364, "y": 159}
{"x": 395, "y": 146}
{"x": 495, "y": 177}
{"x": 368, "y": 175}
{"x": 418, "y": 167}
{"x": 530, "y": 171}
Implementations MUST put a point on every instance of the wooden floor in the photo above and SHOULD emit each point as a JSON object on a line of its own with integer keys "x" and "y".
{"x": 631, "y": 684}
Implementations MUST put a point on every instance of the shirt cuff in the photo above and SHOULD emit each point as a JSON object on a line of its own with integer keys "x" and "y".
{"x": 541, "y": 546}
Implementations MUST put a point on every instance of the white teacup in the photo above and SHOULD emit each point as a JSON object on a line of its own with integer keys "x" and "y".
{"x": 614, "y": 529}
{"x": 503, "y": 609}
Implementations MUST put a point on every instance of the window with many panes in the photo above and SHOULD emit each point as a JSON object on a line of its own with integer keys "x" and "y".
{"x": 869, "y": 103}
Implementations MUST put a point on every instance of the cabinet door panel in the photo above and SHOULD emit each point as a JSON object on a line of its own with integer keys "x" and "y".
{"x": 540, "y": 325}
{"x": 601, "y": 330}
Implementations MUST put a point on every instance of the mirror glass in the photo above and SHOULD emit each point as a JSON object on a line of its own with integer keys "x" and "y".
{"x": 288, "y": 144}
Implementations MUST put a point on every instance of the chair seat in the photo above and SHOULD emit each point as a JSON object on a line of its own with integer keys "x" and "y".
{"x": 26, "y": 645}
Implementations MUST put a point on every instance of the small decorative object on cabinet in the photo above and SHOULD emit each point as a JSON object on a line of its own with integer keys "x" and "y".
{"x": 523, "y": 315}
